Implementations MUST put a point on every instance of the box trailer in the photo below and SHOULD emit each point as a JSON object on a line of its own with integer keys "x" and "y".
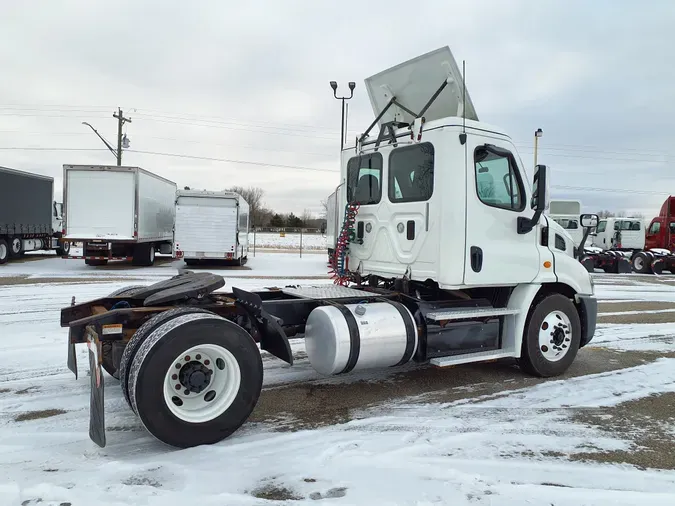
{"x": 566, "y": 214}
{"x": 30, "y": 220}
{"x": 118, "y": 213}
{"x": 449, "y": 260}
{"x": 211, "y": 225}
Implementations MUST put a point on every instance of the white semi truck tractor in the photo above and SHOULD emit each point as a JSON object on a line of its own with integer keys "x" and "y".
{"x": 444, "y": 257}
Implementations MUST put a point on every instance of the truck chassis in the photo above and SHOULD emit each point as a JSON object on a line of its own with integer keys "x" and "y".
{"x": 189, "y": 364}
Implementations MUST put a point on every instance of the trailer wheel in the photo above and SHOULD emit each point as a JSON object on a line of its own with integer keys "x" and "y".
{"x": 552, "y": 336}
{"x": 195, "y": 380}
{"x": 641, "y": 263}
{"x": 144, "y": 255}
{"x": 140, "y": 336}
{"x": 15, "y": 247}
{"x": 658, "y": 265}
{"x": 4, "y": 251}
{"x": 63, "y": 249}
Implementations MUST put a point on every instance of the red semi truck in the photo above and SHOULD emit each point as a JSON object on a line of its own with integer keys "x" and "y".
{"x": 657, "y": 255}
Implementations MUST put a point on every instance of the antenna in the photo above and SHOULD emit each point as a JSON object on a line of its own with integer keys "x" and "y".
{"x": 462, "y": 136}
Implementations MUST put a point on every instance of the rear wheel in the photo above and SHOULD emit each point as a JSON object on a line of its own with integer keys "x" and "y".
{"x": 551, "y": 338}
{"x": 641, "y": 263}
{"x": 63, "y": 249}
{"x": 195, "y": 380}
{"x": 140, "y": 336}
{"x": 4, "y": 251}
{"x": 108, "y": 361}
{"x": 144, "y": 255}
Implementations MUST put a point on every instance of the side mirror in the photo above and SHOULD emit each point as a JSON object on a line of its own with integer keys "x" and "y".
{"x": 541, "y": 195}
{"x": 589, "y": 220}
{"x": 540, "y": 200}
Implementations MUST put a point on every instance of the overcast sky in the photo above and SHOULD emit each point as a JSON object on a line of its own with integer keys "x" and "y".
{"x": 248, "y": 81}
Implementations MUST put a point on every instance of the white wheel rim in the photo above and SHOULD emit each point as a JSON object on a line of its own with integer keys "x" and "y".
{"x": 222, "y": 388}
{"x": 639, "y": 263}
{"x": 555, "y": 336}
{"x": 16, "y": 246}
{"x": 152, "y": 254}
{"x": 3, "y": 251}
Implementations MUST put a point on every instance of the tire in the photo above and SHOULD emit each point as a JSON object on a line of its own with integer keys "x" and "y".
{"x": 190, "y": 262}
{"x": 4, "y": 251}
{"x": 107, "y": 360}
{"x": 140, "y": 336}
{"x": 538, "y": 358}
{"x": 641, "y": 263}
{"x": 63, "y": 249}
{"x": 144, "y": 255}
{"x": 173, "y": 403}
{"x": 657, "y": 266}
{"x": 95, "y": 263}
{"x": 15, "y": 247}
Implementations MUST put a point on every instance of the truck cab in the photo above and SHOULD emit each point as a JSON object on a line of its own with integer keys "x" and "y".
{"x": 620, "y": 234}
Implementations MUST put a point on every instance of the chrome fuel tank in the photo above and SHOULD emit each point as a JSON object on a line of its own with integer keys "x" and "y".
{"x": 341, "y": 338}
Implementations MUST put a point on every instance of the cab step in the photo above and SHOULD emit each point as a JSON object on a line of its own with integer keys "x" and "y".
{"x": 466, "y": 358}
{"x": 464, "y": 313}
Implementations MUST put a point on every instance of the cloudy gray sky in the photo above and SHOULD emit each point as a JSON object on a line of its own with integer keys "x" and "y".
{"x": 221, "y": 82}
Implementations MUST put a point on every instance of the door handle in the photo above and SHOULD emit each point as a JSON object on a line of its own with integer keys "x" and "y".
{"x": 359, "y": 230}
{"x": 476, "y": 258}
{"x": 410, "y": 230}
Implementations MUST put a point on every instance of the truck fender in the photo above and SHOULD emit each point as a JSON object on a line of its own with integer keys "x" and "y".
{"x": 273, "y": 339}
{"x": 514, "y": 325}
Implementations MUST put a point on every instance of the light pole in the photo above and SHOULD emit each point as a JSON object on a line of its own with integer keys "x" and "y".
{"x": 122, "y": 140}
{"x": 334, "y": 85}
{"x": 537, "y": 134}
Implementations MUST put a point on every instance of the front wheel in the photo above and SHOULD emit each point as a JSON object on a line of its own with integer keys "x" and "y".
{"x": 195, "y": 379}
{"x": 551, "y": 338}
{"x": 641, "y": 262}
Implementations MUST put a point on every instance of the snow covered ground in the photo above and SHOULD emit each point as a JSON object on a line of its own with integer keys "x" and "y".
{"x": 525, "y": 441}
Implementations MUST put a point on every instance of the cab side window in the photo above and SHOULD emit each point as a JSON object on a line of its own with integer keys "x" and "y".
{"x": 364, "y": 179}
{"x": 655, "y": 228}
{"x": 498, "y": 183}
{"x": 411, "y": 173}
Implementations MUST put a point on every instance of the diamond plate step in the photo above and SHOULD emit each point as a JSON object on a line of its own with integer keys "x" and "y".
{"x": 474, "y": 312}
{"x": 480, "y": 356}
{"x": 328, "y": 291}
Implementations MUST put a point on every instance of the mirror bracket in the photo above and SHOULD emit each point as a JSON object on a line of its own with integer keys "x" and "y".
{"x": 525, "y": 225}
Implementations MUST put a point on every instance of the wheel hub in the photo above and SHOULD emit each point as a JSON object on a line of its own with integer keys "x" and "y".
{"x": 195, "y": 376}
{"x": 558, "y": 335}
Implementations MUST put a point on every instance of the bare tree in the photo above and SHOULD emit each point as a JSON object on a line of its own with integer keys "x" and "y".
{"x": 254, "y": 196}
{"x": 306, "y": 217}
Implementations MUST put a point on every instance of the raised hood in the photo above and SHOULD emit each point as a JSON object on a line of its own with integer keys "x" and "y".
{"x": 414, "y": 84}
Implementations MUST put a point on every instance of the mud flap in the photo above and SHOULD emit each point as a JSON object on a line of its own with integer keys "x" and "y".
{"x": 96, "y": 408}
{"x": 72, "y": 358}
{"x": 623, "y": 265}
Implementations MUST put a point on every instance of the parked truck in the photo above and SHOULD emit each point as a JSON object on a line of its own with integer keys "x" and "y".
{"x": 450, "y": 260}
{"x": 118, "y": 213}
{"x": 657, "y": 255}
{"x": 30, "y": 220}
{"x": 211, "y": 226}
{"x": 566, "y": 214}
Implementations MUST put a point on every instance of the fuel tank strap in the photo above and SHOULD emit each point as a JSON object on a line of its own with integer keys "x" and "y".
{"x": 354, "y": 337}
{"x": 409, "y": 331}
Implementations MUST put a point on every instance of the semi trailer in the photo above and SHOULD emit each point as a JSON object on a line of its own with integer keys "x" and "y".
{"x": 30, "y": 220}
{"x": 118, "y": 213}
{"x": 211, "y": 225}
{"x": 450, "y": 260}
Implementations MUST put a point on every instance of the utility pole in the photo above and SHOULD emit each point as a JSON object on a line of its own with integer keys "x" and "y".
{"x": 120, "y": 122}
{"x": 122, "y": 141}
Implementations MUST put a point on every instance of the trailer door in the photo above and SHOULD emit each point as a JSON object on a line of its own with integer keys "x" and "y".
{"x": 206, "y": 227}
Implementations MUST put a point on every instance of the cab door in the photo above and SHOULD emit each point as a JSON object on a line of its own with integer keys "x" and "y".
{"x": 497, "y": 195}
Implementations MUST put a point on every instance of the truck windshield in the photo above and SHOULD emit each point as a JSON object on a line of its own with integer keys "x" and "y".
{"x": 364, "y": 176}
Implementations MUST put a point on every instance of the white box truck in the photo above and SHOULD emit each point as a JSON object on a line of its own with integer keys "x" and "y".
{"x": 566, "y": 214}
{"x": 118, "y": 213}
{"x": 211, "y": 225}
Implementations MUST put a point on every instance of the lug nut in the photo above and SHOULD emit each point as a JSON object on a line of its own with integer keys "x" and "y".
{"x": 187, "y": 358}
{"x": 174, "y": 376}
{"x": 178, "y": 386}
{"x": 206, "y": 362}
{"x": 177, "y": 366}
{"x": 198, "y": 357}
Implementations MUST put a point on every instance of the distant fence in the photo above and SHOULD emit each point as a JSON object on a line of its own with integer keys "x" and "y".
{"x": 287, "y": 239}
